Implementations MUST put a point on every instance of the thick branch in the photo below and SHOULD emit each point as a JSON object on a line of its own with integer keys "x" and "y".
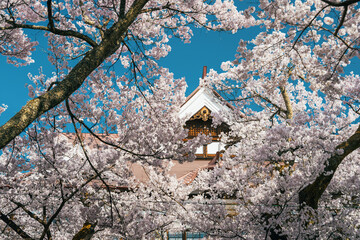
{"x": 49, "y": 10}
{"x": 14, "y": 227}
{"x": 36, "y": 107}
{"x": 122, "y": 8}
{"x": 311, "y": 194}
{"x": 285, "y": 95}
{"x": 340, "y": 4}
{"x": 86, "y": 232}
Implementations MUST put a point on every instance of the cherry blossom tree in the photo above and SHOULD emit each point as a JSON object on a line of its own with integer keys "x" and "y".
{"x": 290, "y": 169}
{"x": 94, "y": 33}
{"x": 67, "y": 154}
{"x": 293, "y": 151}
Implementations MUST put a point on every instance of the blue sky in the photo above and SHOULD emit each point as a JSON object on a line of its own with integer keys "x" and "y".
{"x": 206, "y": 49}
{"x": 185, "y": 60}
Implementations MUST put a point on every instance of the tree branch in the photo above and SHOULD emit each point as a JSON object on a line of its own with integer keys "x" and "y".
{"x": 340, "y": 4}
{"x": 72, "y": 115}
{"x": 122, "y": 8}
{"x": 285, "y": 95}
{"x": 266, "y": 99}
{"x": 312, "y": 193}
{"x": 341, "y": 20}
{"x": 308, "y": 25}
{"x": 31, "y": 214}
{"x": 63, "y": 202}
{"x": 86, "y": 232}
{"x": 34, "y": 216}
{"x": 52, "y": 29}
{"x": 36, "y": 107}
{"x": 50, "y": 18}
{"x": 14, "y": 227}
{"x": 88, "y": 160}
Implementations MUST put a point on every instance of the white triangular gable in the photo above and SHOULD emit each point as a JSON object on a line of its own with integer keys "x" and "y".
{"x": 202, "y": 96}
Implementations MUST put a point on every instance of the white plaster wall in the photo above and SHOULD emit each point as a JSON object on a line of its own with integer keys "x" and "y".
{"x": 200, "y": 150}
{"x": 214, "y": 147}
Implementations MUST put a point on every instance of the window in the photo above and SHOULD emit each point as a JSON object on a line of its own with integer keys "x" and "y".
{"x": 186, "y": 236}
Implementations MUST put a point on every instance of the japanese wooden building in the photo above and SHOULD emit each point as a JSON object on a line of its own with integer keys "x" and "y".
{"x": 198, "y": 111}
{"x": 199, "y": 108}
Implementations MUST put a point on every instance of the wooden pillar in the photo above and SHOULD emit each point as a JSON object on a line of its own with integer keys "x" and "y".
{"x": 184, "y": 235}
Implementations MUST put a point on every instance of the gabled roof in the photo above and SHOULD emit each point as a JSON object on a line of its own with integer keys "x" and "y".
{"x": 200, "y": 97}
{"x": 190, "y": 176}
